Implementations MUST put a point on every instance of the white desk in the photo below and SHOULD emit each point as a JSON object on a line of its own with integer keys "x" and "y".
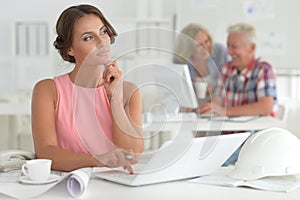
{"x": 100, "y": 189}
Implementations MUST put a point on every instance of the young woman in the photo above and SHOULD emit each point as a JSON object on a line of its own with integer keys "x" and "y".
{"x": 89, "y": 116}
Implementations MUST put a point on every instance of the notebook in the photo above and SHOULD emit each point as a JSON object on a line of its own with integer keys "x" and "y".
{"x": 182, "y": 158}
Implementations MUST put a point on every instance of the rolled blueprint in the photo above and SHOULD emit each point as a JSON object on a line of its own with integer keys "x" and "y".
{"x": 78, "y": 181}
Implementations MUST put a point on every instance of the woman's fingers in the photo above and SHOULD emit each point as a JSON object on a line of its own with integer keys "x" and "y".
{"x": 206, "y": 108}
{"x": 131, "y": 158}
{"x": 129, "y": 168}
{"x": 111, "y": 72}
{"x": 118, "y": 158}
{"x": 112, "y": 63}
{"x": 112, "y": 80}
{"x": 111, "y": 76}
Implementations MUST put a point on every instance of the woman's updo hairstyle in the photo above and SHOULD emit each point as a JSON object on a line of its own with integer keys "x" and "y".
{"x": 65, "y": 25}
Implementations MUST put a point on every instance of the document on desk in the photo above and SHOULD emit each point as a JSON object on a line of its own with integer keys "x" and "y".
{"x": 276, "y": 184}
{"x": 77, "y": 182}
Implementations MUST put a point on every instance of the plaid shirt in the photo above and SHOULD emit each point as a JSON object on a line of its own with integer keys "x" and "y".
{"x": 252, "y": 83}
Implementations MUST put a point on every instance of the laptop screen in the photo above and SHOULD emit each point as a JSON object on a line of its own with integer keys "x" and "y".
{"x": 165, "y": 85}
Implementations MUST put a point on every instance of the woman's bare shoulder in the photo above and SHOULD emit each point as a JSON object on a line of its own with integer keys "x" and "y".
{"x": 130, "y": 90}
{"x": 45, "y": 86}
{"x": 129, "y": 85}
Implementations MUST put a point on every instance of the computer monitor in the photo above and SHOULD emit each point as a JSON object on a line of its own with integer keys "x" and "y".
{"x": 167, "y": 85}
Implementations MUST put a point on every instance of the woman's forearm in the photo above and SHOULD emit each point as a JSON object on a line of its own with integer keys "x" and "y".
{"x": 127, "y": 133}
{"x": 127, "y": 117}
{"x": 63, "y": 160}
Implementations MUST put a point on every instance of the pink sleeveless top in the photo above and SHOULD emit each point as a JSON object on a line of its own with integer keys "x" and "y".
{"x": 83, "y": 117}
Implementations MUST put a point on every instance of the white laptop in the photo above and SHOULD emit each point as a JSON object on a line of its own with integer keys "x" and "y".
{"x": 183, "y": 158}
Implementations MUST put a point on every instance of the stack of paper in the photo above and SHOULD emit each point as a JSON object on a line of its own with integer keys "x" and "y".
{"x": 277, "y": 184}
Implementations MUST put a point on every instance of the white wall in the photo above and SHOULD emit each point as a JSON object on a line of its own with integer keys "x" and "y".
{"x": 216, "y": 18}
{"x": 45, "y": 11}
{"x": 48, "y": 11}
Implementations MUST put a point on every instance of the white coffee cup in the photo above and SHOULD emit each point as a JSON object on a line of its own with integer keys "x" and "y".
{"x": 200, "y": 89}
{"x": 37, "y": 169}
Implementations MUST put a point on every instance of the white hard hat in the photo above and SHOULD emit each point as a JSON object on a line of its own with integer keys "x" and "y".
{"x": 270, "y": 152}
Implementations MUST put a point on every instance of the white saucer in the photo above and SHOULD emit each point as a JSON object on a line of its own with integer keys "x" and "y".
{"x": 52, "y": 178}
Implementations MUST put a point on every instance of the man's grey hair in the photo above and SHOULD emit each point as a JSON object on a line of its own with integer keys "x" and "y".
{"x": 244, "y": 28}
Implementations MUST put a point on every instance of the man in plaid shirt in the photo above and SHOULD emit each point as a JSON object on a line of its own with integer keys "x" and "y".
{"x": 247, "y": 85}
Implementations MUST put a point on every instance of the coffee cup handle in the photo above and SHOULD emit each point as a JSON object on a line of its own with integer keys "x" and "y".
{"x": 25, "y": 169}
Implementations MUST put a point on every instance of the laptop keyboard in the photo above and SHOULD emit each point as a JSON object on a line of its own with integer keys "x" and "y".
{"x": 121, "y": 175}
{"x": 117, "y": 176}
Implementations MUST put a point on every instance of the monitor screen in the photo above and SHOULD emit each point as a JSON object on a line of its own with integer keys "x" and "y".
{"x": 165, "y": 85}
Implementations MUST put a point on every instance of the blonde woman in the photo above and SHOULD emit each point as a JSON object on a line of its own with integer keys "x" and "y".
{"x": 195, "y": 47}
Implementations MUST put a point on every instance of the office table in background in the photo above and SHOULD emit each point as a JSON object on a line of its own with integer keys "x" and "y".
{"x": 158, "y": 132}
{"x": 203, "y": 124}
